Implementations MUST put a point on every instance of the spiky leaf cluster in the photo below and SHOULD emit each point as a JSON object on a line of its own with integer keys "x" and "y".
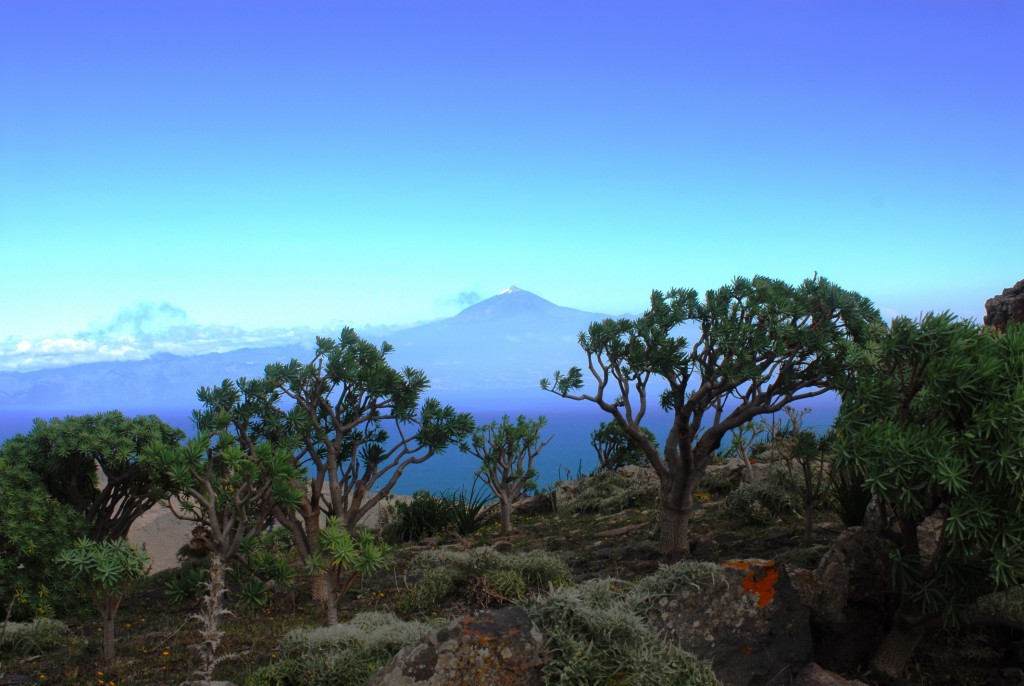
{"x": 69, "y": 454}
{"x": 935, "y": 425}
{"x": 240, "y": 466}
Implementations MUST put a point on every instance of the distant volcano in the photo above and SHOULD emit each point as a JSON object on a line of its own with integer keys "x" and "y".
{"x": 514, "y": 303}
{"x": 507, "y": 342}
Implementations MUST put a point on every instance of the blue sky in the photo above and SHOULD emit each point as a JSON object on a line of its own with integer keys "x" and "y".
{"x": 192, "y": 176}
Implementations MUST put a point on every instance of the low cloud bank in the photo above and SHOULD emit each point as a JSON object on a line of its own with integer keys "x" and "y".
{"x": 138, "y": 332}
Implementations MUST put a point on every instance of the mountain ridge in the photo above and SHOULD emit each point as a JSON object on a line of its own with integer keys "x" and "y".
{"x": 506, "y": 342}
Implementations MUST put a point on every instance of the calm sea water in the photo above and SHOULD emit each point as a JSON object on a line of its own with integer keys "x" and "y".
{"x": 568, "y": 453}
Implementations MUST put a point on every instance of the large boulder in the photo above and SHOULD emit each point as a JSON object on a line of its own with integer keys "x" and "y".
{"x": 1007, "y": 307}
{"x": 848, "y": 594}
{"x": 750, "y": 623}
{"x": 495, "y": 647}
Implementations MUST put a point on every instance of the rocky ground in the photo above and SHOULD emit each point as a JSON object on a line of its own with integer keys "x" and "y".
{"x": 758, "y": 561}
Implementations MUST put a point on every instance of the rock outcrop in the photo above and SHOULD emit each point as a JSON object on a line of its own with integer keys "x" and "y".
{"x": 751, "y": 625}
{"x": 848, "y": 593}
{"x": 1006, "y": 307}
{"x": 495, "y": 647}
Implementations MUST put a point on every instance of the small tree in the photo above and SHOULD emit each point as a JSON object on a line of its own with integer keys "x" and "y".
{"x": 229, "y": 479}
{"x": 616, "y": 449}
{"x": 507, "y": 452}
{"x": 359, "y": 426}
{"x": 108, "y": 569}
{"x": 742, "y": 440}
{"x": 935, "y": 424}
{"x": 345, "y": 558}
{"x": 68, "y": 453}
{"x": 806, "y": 451}
{"x": 760, "y": 345}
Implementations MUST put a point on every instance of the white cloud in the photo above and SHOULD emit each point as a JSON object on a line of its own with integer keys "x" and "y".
{"x": 138, "y": 332}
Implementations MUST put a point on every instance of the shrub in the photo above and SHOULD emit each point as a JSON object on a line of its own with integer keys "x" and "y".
{"x": 186, "y": 585}
{"x": 340, "y": 655}
{"x": 31, "y": 638}
{"x": 667, "y": 579}
{"x": 539, "y": 568}
{"x": 505, "y": 585}
{"x": 608, "y": 492}
{"x": 482, "y": 573}
{"x": 265, "y": 562}
{"x": 425, "y": 515}
{"x": 36, "y": 527}
{"x": 433, "y": 587}
{"x": 596, "y": 636}
{"x": 469, "y": 512}
{"x": 849, "y": 495}
{"x": 776, "y": 496}
{"x": 1006, "y": 605}
{"x": 718, "y": 482}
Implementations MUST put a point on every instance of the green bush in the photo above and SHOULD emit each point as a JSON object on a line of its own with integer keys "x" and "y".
{"x": 469, "y": 511}
{"x": 187, "y": 583}
{"x": 483, "y": 573}
{"x": 432, "y": 589}
{"x": 36, "y": 527}
{"x": 717, "y": 483}
{"x": 596, "y": 636}
{"x": 429, "y": 515}
{"x": 31, "y": 638}
{"x": 539, "y": 568}
{"x": 776, "y": 496}
{"x": 849, "y": 495}
{"x": 607, "y": 492}
{"x": 425, "y": 515}
{"x": 341, "y": 655}
{"x": 668, "y": 579}
{"x": 504, "y": 584}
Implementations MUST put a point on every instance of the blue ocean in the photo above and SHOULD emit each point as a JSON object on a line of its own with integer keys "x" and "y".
{"x": 568, "y": 453}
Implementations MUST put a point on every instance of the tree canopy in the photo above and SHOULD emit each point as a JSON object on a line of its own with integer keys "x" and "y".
{"x": 616, "y": 449}
{"x": 69, "y": 455}
{"x": 240, "y": 466}
{"x": 758, "y": 345}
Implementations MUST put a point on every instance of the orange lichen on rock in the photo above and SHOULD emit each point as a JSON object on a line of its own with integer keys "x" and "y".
{"x": 761, "y": 578}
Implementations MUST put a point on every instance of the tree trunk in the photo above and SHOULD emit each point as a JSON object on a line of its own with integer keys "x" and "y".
{"x": 674, "y": 543}
{"x": 808, "y": 523}
{"x": 320, "y": 586}
{"x": 899, "y": 645}
{"x": 108, "y": 640}
{"x": 506, "y": 518}
{"x": 331, "y": 601}
{"x": 319, "y": 581}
